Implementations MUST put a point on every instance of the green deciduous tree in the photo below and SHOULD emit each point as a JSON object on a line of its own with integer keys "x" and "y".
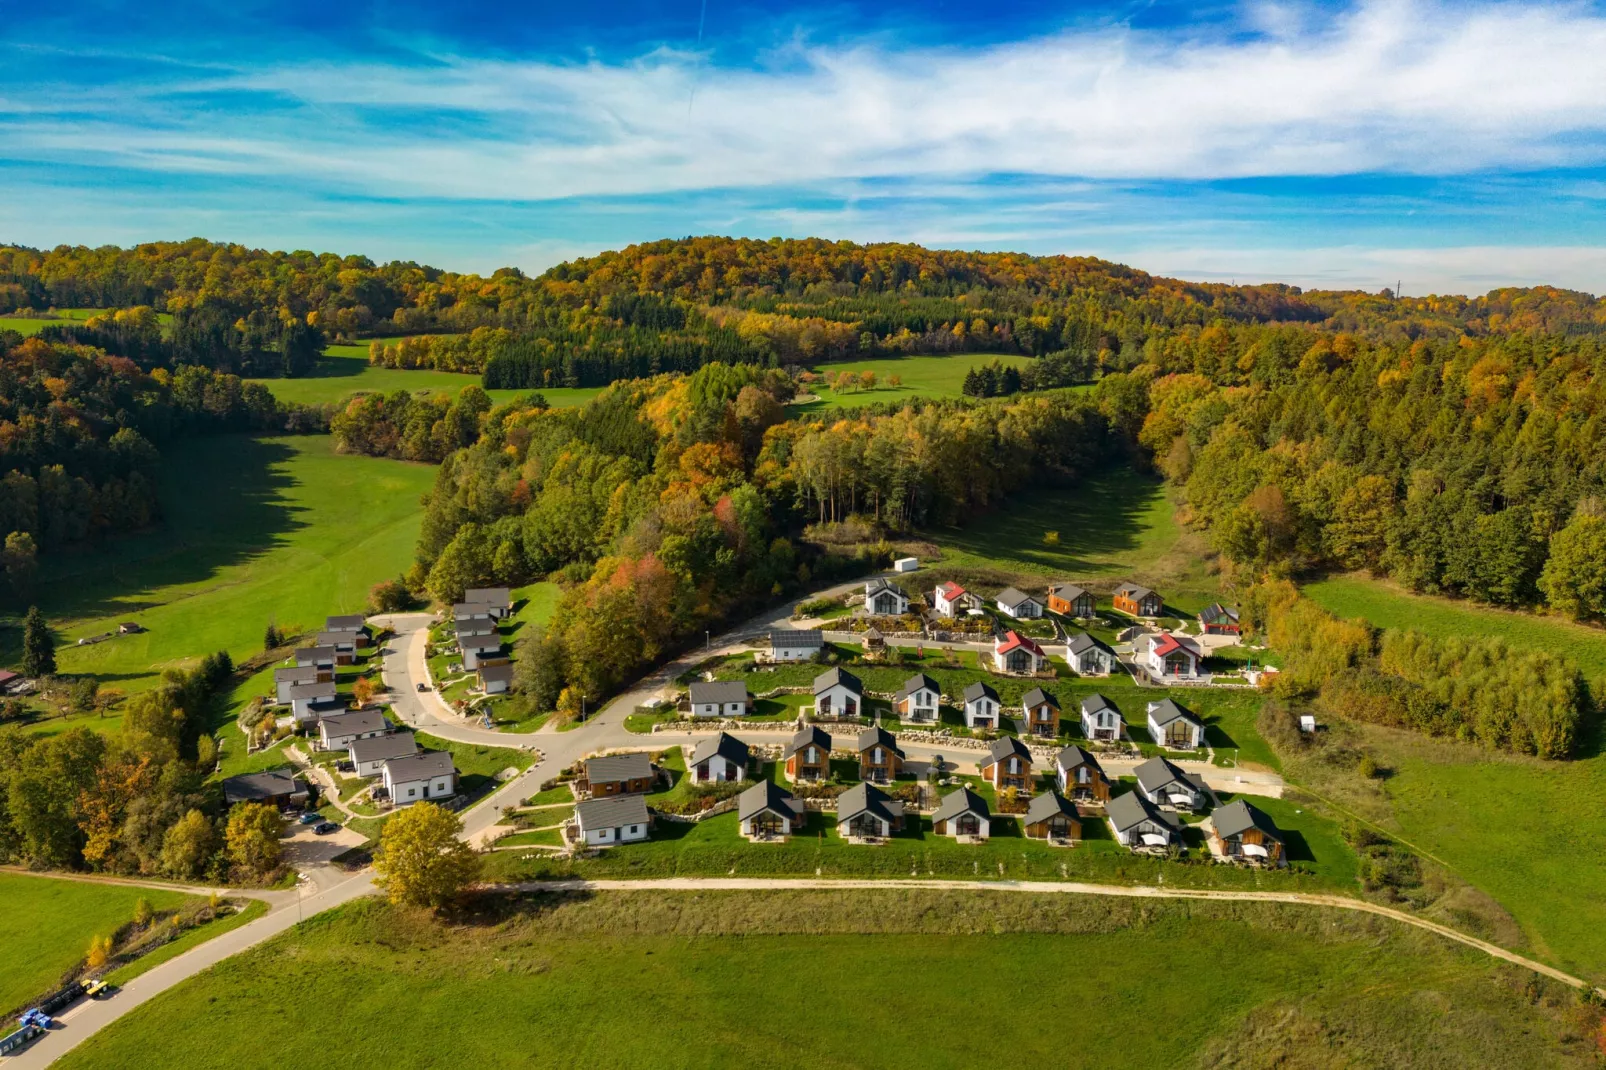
{"x": 1574, "y": 578}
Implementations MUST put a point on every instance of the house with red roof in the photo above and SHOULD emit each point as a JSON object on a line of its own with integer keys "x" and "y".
{"x": 950, "y": 600}
{"x": 1172, "y": 656}
{"x": 1016, "y": 653}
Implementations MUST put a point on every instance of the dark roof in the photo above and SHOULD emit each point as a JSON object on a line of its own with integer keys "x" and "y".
{"x": 878, "y": 737}
{"x": 255, "y": 787}
{"x": 1069, "y": 592}
{"x": 482, "y": 626}
{"x": 479, "y": 643}
{"x": 1038, "y": 697}
{"x": 832, "y": 677}
{"x": 1047, "y": 805}
{"x": 500, "y": 597}
{"x": 1131, "y": 809}
{"x": 1238, "y": 817}
{"x": 767, "y": 795}
{"x": 1156, "y": 773}
{"x": 633, "y": 766}
{"x": 917, "y": 682}
{"x": 1074, "y": 757}
{"x": 316, "y": 653}
{"x": 809, "y": 734}
{"x": 980, "y": 689}
{"x": 1133, "y": 591}
{"x": 488, "y": 673}
{"x": 720, "y": 691}
{"x": 312, "y": 690}
{"x": 796, "y": 637}
{"x": 337, "y": 639}
{"x": 881, "y": 583}
{"x": 1166, "y": 710}
{"x": 1216, "y": 611}
{"x": 1014, "y": 596}
{"x": 863, "y": 798}
{"x": 1080, "y": 641}
{"x": 295, "y": 674}
{"x": 381, "y": 748}
{"x": 725, "y": 745}
{"x": 350, "y": 622}
{"x": 1004, "y": 746}
{"x": 1095, "y": 703}
{"x": 611, "y": 812}
{"x": 962, "y": 801}
{"x": 470, "y": 609}
{"x": 345, "y": 724}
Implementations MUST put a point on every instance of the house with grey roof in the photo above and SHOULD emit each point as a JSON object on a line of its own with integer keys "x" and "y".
{"x": 478, "y": 650}
{"x": 1101, "y": 721}
{"x": 279, "y": 789}
{"x": 767, "y": 811}
{"x": 865, "y": 812}
{"x": 1138, "y": 823}
{"x": 719, "y": 760}
{"x": 468, "y": 629}
{"x": 1042, "y": 713}
{"x": 619, "y": 774}
{"x": 369, "y": 755}
{"x": 1163, "y": 784}
{"x": 1051, "y": 816}
{"x": 1008, "y": 764}
{"x": 1069, "y": 600}
{"x": 963, "y": 815}
{"x": 613, "y": 820}
{"x": 880, "y": 757}
{"x": 495, "y": 679}
{"x": 337, "y": 731}
{"x": 1088, "y": 656}
{"x": 1080, "y": 776}
{"x": 1014, "y": 602}
{"x": 347, "y": 622}
{"x": 719, "y": 698}
{"x": 416, "y": 777}
{"x": 838, "y": 694}
{"x": 917, "y": 700}
{"x": 1172, "y": 726}
{"x": 499, "y": 599}
{"x": 310, "y": 702}
{"x": 462, "y": 611}
{"x": 1244, "y": 832}
{"x": 807, "y": 755}
{"x": 1137, "y": 601}
{"x": 796, "y": 644}
{"x": 982, "y": 706}
{"x": 883, "y": 598}
{"x": 286, "y": 678}
{"x": 343, "y": 643}
{"x": 320, "y": 657}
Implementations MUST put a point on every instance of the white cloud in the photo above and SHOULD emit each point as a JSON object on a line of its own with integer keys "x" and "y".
{"x": 1392, "y": 85}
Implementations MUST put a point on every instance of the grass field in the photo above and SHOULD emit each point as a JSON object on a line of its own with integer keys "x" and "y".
{"x": 46, "y": 926}
{"x": 923, "y": 376}
{"x": 879, "y": 979}
{"x": 344, "y": 370}
{"x": 256, "y": 529}
{"x": 29, "y": 325}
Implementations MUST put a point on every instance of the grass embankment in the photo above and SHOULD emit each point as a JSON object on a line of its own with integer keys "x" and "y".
{"x": 1530, "y": 833}
{"x": 193, "y": 938}
{"x": 256, "y": 529}
{"x": 816, "y": 979}
{"x": 929, "y": 376}
{"x": 46, "y": 926}
{"x": 344, "y": 370}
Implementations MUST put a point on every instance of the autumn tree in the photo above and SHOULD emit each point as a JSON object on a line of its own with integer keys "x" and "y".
{"x": 253, "y": 836}
{"x": 188, "y": 844}
{"x": 421, "y": 861}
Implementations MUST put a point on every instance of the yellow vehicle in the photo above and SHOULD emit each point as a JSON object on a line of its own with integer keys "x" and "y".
{"x": 93, "y": 988}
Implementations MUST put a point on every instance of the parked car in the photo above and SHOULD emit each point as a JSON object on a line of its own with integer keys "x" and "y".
{"x": 326, "y": 828}
{"x": 311, "y": 817}
{"x": 423, "y": 687}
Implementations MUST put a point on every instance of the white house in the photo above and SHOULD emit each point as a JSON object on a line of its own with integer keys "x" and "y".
{"x": 1173, "y": 656}
{"x": 982, "y": 707}
{"x": 309, "y": 701}
{"x": 426, "y": 775}
{"x": 498, "y": 599}
{"x": 462, "y": 611}
{"x": 1017, "y": 603}
{"x": 1172, "y": 726}
{"x": 285, "y": 679}
{"x": 338, "y": 731}
{"x": 796, "y": 644}
{"x": 963, "y": 815}
{"x": 495, "y": 679}
{"x": 722, "y": 759}
{"x": 1087, "y": 656}
{"x": 768, "y": 811}
{"x": 1015, "y": 653}
{"x": 344, "y": 643}
{"x": 319, "y": 657}
{"x": 918, "y": 699}
{"x": 464, "y": 629}
{"x": 1164, "y": 784}
{"x": 611, "y": 820}
{"x": 718, "y": 698}
{"x": 866, "y": 812}
{"x": 478, "y": 650}
{"x": 885, "y": 599}
{"x": 1136, "y": 822}
{"x": 838, "y": 693}
{"x": 1101, "y": 721}
{"x": 354, "y": 623}
{"x": 369, "y": 755}
{"x": 950, "y": 600}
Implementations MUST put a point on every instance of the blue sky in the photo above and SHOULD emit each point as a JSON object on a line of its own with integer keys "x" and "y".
{"x": 1454, "y": 147}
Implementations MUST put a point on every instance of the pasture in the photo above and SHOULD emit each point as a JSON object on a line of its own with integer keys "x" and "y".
{"x": 817, "y": 979}
{"x": 28, "y": 326}
{"x": 46, "y": 926}
{"x": 923, "y": 376}
{"x": 255, "y": 530}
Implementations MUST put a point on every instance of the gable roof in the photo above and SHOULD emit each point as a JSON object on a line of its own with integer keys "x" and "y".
{"x": 1238, "y": 817}
{"x": 963, "y": 801}
{"x": 808, "y": 734}
{"x": 470, "y": 609}
{"x": 1081, "y": 641}
{"x": 1074, "y": 757}
{"x": 420, "y": 766}
{"x": 726, "y": 746}
{"x": 878, "y": 737}
{"x": 479, "y": 626}
{"x": 1156, "y": 773}
{"x": 1068, "y": 591}
{"x": 1132, "y": 809}
{"x": 493, "y": 673}
{"x": 479, "y": 644}
{"x": 350, "y": 622}
{"x": 918, "y": 682}
{"x": 881, "y": 583}
{"x": 497, "y": 597}
{"x": 1050, "y": 804}
{"x": 1215, "y": 611}
{"x": 1094, "y": 703}
{"x": 337, "y": 639}
{"x": 312, "y": 690}
{"x": 1038, "y": 697}
{"x": 867, "y": 798}
{"x": 1165, "y": 643}
{"x": 341, "y": 724}
{"x": 610, "y": 812}
{"x": 1013, "y": 640}
{"x": 720, "y": 691}
{"x": 789, "y": 638}
{"x": 1014, "y": 596}
{"x": 1166, "y": 710}
{"x": 254, "y": 787}
{"x": 296, "y": 674}
{"x": 767, "y": 795}
{"x": 979, "y": 690}
{"x": 1006, "y": 746}
{"x": 316, "y": 653}
{"x": 636, "y": 765}
{"x": 380, "y": 748}
{"x": 951, "y": 590}
{"x": 832, "y": 677}
{"x": 1134, "y": 591}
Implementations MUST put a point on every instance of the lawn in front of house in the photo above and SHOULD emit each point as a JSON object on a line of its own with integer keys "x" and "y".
{"x": 476, "y": 765}
{"x": 46, "y": 926}
{"x": 902, "y": 977}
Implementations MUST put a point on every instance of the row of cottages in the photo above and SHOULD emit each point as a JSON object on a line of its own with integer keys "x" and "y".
{"x": 719, "y": 698}
{"x": 1175, "y": 657}
{"x": 883, "y": 598}
{"x": 796, "y": 644}
{"x": 1172, "y": 726}
{"x": 1137, "y": 601}
{"x": 1069, "y": 600}
{"x": 407, "y": 774}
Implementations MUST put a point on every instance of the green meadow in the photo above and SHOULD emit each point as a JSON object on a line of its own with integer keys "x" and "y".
{"x": 46, "y": 926}
{"x": 923, "y": 376}
{"x": 31, "y": 325}
{"x": 254, "y": 529}
{"x": 876, "y": 979}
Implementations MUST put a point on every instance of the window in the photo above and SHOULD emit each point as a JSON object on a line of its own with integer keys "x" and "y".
{"x": 411, "y": 792}
{"x": 813, "y": 756}
{"x": 875, "y": 756}
{"x": 1014, "y": 765}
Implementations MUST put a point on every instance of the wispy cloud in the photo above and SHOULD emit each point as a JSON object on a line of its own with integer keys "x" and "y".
{"x": 1391, "y": 85}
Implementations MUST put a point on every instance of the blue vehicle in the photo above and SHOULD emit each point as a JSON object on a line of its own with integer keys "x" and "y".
{"x": 311, "y": 817}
